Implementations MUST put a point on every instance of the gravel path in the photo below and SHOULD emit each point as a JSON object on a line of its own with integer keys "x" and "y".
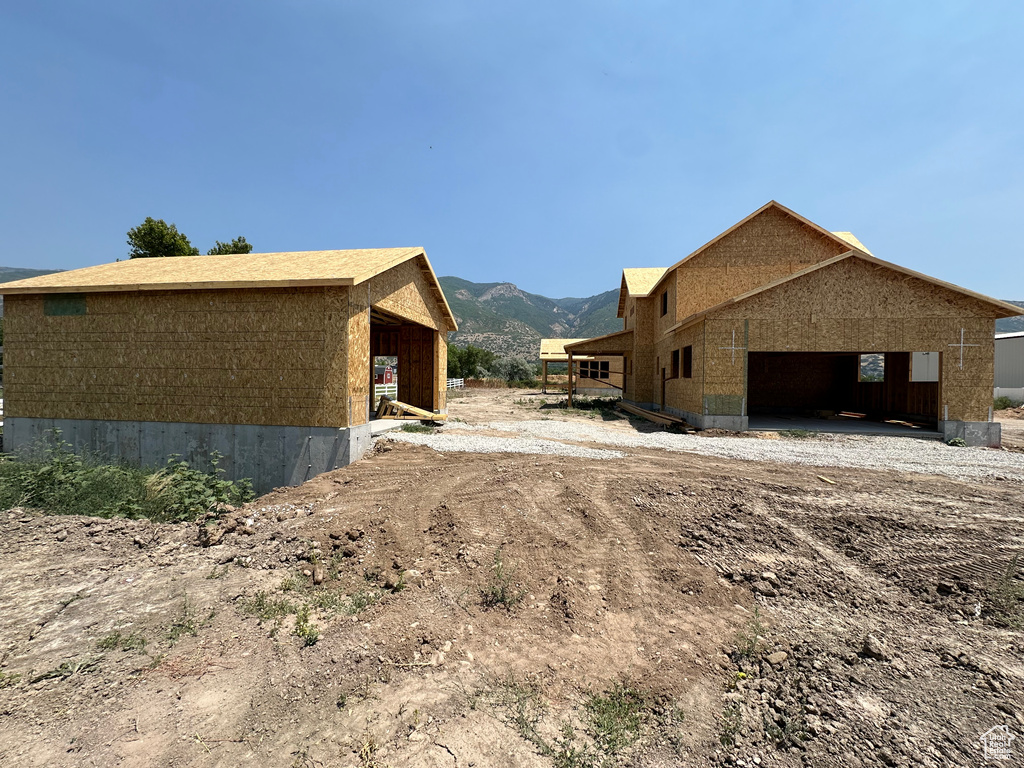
{"x": 905, "y": 454}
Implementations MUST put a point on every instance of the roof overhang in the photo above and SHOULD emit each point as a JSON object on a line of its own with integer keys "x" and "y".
{"x": 619, "y": 343}
{"x": 301, "y": 269}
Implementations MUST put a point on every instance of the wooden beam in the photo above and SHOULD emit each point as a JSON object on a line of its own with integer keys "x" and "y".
{"x": 569, "y": 403}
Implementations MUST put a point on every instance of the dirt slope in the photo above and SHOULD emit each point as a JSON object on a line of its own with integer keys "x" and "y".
{"x": 643, "y": 571}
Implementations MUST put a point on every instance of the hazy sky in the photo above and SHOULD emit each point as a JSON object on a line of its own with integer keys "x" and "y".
{"x": 549, "y": 144}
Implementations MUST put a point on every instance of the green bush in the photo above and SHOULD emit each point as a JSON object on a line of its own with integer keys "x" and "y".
{"x": 57, "y": 480}
{"x": 1003, "y": 402}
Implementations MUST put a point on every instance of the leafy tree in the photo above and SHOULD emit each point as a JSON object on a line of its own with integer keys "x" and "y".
{"x": 469, "y": 362}
{"x": 238, "y": 245}
{"x": 511, "y": 369}
{"x": 155, "y": 237}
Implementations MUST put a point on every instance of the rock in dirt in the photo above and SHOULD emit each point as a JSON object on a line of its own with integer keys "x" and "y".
{"x": 875, "y": 648}
{"x": 764, "y": 588}
{"x": 777, "y": 658}
{"x": 319, "y": 574}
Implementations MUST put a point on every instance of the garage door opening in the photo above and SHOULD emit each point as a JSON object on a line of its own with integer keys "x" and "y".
{"x": 844, "y": 391}
{"x": 408, "y": 349}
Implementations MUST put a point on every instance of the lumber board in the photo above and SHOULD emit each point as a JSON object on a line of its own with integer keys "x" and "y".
{"x": 658, "y": 418}
{"x": 396, "y": 409}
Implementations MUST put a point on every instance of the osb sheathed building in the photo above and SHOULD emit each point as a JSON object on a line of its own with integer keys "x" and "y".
{"x": 774, "y": 315}
{"x": 591, "y": 376}
{"x": 264, "y": 358}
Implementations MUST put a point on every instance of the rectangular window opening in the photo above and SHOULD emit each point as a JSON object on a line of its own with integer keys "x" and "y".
{"x": 675, "y": 364}
{"x": 63, "y": 304}
{"x": 872, "y": 367}
{"x": 688, "y": 362}
{"x": 664, "y": 303}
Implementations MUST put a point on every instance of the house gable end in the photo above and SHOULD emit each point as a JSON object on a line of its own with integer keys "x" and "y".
{"x": 772, "y": 243}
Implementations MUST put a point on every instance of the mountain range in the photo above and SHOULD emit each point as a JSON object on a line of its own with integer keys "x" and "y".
{"x": 511, "y": 322}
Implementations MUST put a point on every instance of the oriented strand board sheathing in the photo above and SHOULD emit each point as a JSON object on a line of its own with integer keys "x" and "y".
{"x": 856, "y": 306}
{"x": 776, "y": 282}
{"x": 299, "y": 269}
{"x": 359, "y": 363}
{"x": 406, "y": 292}
{"x": 768, "y": 246}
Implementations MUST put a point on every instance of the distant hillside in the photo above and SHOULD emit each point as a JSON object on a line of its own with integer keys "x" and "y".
{"x": 1011, "y": 324}
{"x": 10, "y": 274}
{"x": 504, "y": 319}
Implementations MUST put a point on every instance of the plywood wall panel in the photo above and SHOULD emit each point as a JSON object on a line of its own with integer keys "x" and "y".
{"x": 769, "y": 246}
{"x": 854, "y": 306}
{"x": 236, "y": 356}
{"x": 406, "y": 292}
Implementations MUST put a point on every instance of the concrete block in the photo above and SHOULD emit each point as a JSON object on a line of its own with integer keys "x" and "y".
{"x": 987, "y": 434}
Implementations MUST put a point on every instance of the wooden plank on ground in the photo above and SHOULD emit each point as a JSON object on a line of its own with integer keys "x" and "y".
{"x": 395, "y": 409}
{"x": 655, "y": 416}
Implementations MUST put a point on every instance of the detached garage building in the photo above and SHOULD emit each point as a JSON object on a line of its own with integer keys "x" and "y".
{"x": 778, "y": 316}
{"x": 265, "y": 358}
{"x": 1010, "y": 365}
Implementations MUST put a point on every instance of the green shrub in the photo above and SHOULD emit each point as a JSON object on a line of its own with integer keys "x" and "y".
{"x": 418, "y": 427}
{"x": 57, "y": 480}
{"x": 501, "y": 589}
{"x": 1003, "y": 402}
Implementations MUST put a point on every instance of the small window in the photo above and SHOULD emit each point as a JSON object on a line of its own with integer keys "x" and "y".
{"x": 872, "y": 368}
{"x": 924, "y": 366}
{"x": 664, "y": 303}
{"x": 675, "y": 365}
{"x": 688, "y": 362}
{"x": 63, "y": 304}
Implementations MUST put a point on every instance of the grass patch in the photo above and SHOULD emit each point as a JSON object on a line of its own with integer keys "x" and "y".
{"x": 732, "y": 722}
{"x": 116, "y": 641}
{"x": 419, "y": 427}
{"x": 1006, "y": 597}
{"x": 609, "y": 723}
{"x": 592, "y": 407}
{"x": 69, "y": 669}
{"x": 9, "y": 679}
{"x": 749, "y": 640}
{"x": 616, "y": 717}
{"x": 187, "y": 622}
{"x": 501, "y": 590}
{"x": 55, "y": 479}
{"x": 304, "y": 629}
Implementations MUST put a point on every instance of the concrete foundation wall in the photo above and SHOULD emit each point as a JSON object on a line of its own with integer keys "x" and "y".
{"x": 734, "y": 423}
{"x": 986, "y": 434}
{"x": 271, "y": 456}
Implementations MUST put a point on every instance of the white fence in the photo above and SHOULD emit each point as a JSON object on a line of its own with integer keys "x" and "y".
{"x": 1014, "y": 393}
{"x": 391, "y": 390}
{"x": 456, "y": 383}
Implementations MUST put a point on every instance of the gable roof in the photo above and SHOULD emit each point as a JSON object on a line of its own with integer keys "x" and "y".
{"x": 638, "y": 281}
{"x": 834, "y": 236}
{"x": 554, "y": 349}
{"x": 1005, "y": 309}
{"x": 238, "y": 270}
{"x": 851, "y": 238}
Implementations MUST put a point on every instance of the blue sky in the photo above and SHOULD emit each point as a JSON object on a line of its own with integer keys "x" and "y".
{"x": 549, "y": 144}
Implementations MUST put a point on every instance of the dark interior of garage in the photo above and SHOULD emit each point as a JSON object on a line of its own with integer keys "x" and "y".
{"x": 826, "y": 384}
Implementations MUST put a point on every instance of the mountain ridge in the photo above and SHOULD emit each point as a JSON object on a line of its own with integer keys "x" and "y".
{"x": 511, "y": 322}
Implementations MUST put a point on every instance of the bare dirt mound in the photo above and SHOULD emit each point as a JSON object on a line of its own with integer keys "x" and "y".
{"x": 419, "y": 610}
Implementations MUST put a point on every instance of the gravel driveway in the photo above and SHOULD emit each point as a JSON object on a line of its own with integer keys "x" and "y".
{"x": 904, "y": 454}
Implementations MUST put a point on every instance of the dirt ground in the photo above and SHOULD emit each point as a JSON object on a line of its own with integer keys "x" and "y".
{"x": 519, "y": 610}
